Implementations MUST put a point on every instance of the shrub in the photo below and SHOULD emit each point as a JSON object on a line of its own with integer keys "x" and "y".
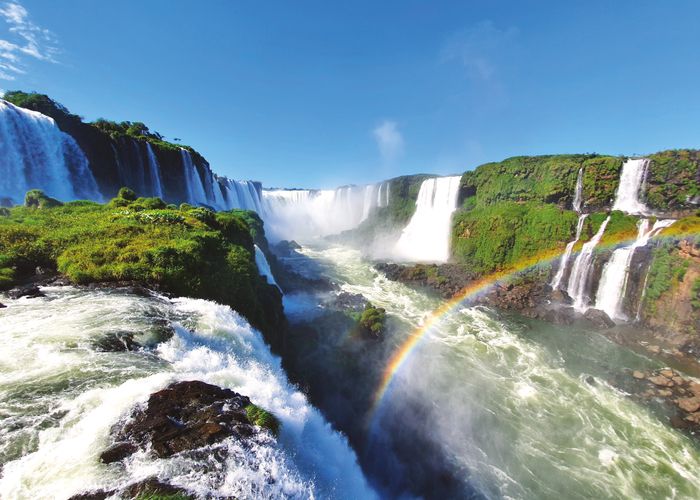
{"x": 263, "y": 418}
{"x": 37, "y": 199}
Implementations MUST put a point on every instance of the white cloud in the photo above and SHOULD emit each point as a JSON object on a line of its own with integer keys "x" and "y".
{"x": 389, "y": 140}
{"x": 479, "y": 48}
{"x": 24, "y": 39}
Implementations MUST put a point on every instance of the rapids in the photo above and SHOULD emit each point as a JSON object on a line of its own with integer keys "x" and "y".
{"x": 515, "y": 408}
{"x": 60, "y": 394}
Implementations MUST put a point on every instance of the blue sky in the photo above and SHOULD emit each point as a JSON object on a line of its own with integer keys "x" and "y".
{"x": 319, "y": 94}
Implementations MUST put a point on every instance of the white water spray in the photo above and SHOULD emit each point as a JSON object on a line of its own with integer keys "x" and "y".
{"x": 427, "y": 236}
{"x": 578, "y": 196}
{"x": 564, "y": 261}
{"x": 629, "y": 191}
{"x": 578, "y": 280}
{"x": 154, "y": 170}
{"x": 613, "y": 281}
{"x": 264, "y": 267}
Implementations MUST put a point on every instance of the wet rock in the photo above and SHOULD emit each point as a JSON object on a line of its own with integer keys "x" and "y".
{"x": 693, "y": 418}
{"x": 286, "y": 248}
{"x": 667, "y": 373}
{"x": 117, "y": 342}
{"x": 148, "y": 488}
{"x": 345, "y": 301}
{"x": 599, "y": 318}
{"x": 661, "y": 381}
{"x": 2, "y": 306}
{"x": 689, "y": 405}
{"x": 694, "y": 388}
{"x": 559, "y": 315}
{"x": 186, "y": 416}
{"x": 559, "y": 295}
{"x": 638, "y": 375}
{"x": 655, "y": 349}
{"x": 29, "y": 291}
{"x": 664, "y": 393}
{"x": 117, "y": 452}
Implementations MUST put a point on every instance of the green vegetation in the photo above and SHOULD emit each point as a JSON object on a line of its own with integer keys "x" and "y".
{"x": 263, "y": 418}
{"x": 673, "y": 179}
{"x": 546, "y": 179}
{"x": 498, "y": 236}
{"x": 372, "y": 320}
{"x": 695, "y": 290}
{"x": 136, "y": 130}
{"x": 189, "y": 251}
{"x": 621, "y": 227}
{"x": 37, "y": 199}
{"x": 666, "y": 271}
{"x": 149, "y": 495}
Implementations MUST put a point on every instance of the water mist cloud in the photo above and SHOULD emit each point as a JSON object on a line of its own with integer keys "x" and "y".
{"x": 389, "y": 140}
{"x": 25, "y": 39}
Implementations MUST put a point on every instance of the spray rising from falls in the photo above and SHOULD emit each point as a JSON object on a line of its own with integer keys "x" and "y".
{"x": 564, "y": 261}
{"x": 613, "y": 281}
{"x": 36, "y": 154}
{"x": 580, "y": 272}
{"x": 427, "y": 235}
{"x": 629, "y": 191}
{"x": 306, "y": 214}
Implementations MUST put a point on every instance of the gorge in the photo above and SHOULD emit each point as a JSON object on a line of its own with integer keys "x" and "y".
{"x": 502, "y": 333}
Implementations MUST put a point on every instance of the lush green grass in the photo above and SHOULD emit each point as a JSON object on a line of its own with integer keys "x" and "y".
{"x": 498, "y": 236}
{"x": 546, "y": 179}
{"x": 263, "y": 418}
{"x": 189, "y": 252}
{"x": 673, "y": 178}
{"x": 666, "y": 270}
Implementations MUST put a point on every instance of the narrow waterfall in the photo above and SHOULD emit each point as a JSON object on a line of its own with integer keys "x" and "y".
{"x": 369, "y": 201}
{"x": 195, "y": 189}
{"x": 36, "y": 154}
{"x": 564, "y": 261}
{"x": 578, "y": 196}
{"x": 613, "y": 280}
{"x": 580, "y": 271}
{"x": 427, "y": 235}
{"x": 154, "y": 170}
{"x": 264, "y": 267}
{"x": 629, "y": 191}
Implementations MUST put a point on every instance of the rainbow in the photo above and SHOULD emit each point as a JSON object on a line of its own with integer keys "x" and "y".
{"x": 480, "y": 286}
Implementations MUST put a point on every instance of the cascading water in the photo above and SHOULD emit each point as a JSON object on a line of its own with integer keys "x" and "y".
{"x": 427, "y": 235}
{"x": 154, "y": 171}
{"x": 613, "y": 280}
{"x": 564, "y": 261}
{"x": 264, "y": 267}
{"x": 629, "y": 191}
{"x": 60, "y": 394}
{"x": 578, "y": 280}
{"x": 305, "y": 214}
{"x": 578, "y": 195}
{"x": 36, "y": 154}
{"x": 195, "y": 189}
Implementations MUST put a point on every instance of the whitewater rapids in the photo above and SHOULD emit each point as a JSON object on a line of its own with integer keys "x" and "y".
{"x": 519, "y": 409}
{"x": 60, "y": 395}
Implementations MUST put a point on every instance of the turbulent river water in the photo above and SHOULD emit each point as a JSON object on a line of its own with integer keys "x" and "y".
{"x": 518, "y": 409}
{"x": 514, "y": 408}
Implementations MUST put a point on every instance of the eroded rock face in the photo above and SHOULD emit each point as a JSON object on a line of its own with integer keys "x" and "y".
{"x": 29, "y": 291}
{"x": 184, "y": 416}
{"x": 148, "y": 488}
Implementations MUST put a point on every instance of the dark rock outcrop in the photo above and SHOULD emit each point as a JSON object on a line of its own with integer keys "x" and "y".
{"x": 30, "y": 291}
{"x": 148, "y": 488}
{"x": 598, "y": 318}
{"x": 183, "y": 417}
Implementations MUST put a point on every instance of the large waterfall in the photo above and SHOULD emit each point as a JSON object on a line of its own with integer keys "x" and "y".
{"x": 427, "y": 236}
{"x": 564, "y": 261}
{"x": 613, "y": 281}
{"x": 36, "y": 154}
{"x": 305, "y": 214}
{"x": 578, "y": 280}
{"x": 629, "y": 191}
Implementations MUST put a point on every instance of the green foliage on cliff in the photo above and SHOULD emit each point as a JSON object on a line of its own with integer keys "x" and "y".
{"x": 263, "y": 418}
{"x": 546, "y": 179}
{"x": 136, "y": 130}
{"x": 666, "y": 270}
{"x": 372, "y": 320}
{"x": 621, "y": 227}
{"x": 673, "y": 179}
{"x": 37, "y": 199}
{"x": 498, "y": 236}
{"x": 190, "y": 252}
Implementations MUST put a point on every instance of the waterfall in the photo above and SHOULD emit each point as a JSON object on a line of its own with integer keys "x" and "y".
{"x": 556, "y": 282}
{"x": 306, "y": 214}
{"x": 264, "y": 267}
{"x": 628, "y": 193}
{"x": 578, "y": 196}
{"x": 36, "y": 154}
{"x": 195, "y": 189}
{"x": 427, "y": 235}
{"x": 580, "y": 271}
{"x": 615, "y": 276}
{"x": 154, "y": 170}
